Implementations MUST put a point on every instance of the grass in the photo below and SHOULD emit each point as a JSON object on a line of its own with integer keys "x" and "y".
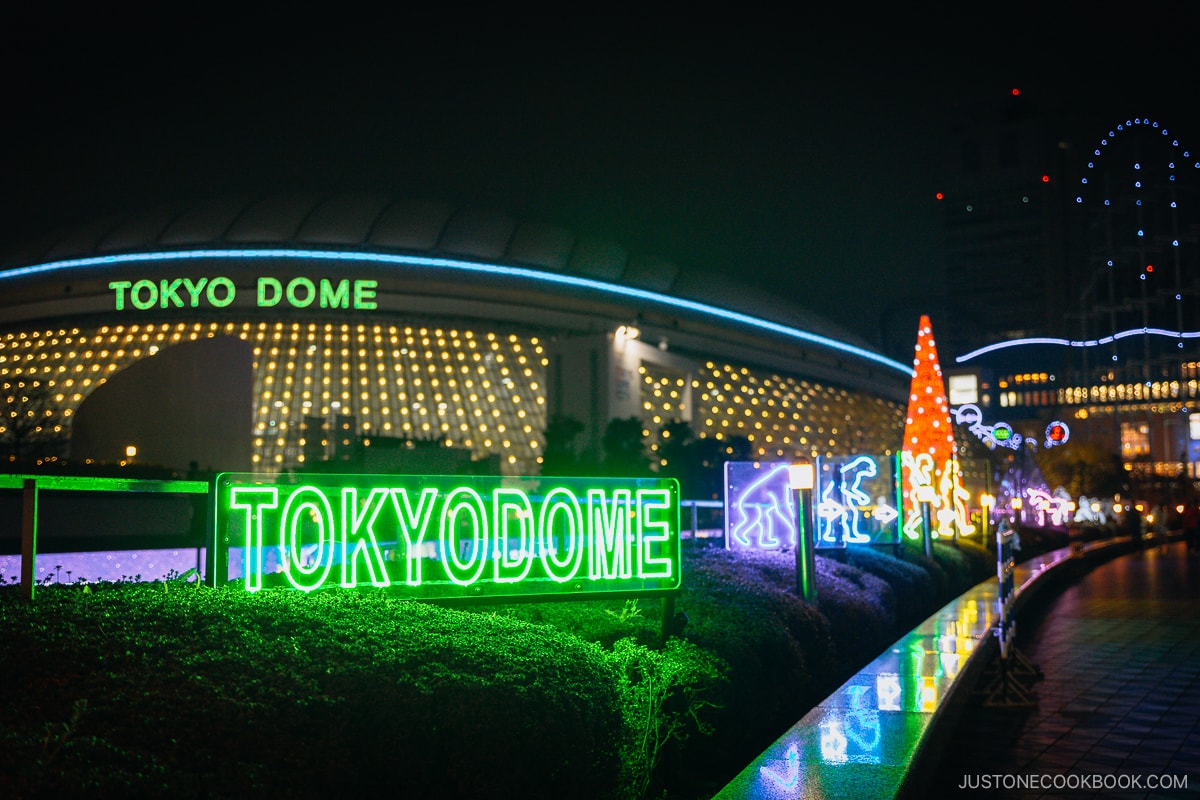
{"x": 169, "y": 689}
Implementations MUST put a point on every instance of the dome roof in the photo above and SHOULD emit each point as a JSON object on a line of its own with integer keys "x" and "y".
{"x": 380, "y": 223}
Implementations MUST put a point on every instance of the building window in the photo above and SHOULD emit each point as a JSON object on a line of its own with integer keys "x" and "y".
{"x": 1135, "y": 440}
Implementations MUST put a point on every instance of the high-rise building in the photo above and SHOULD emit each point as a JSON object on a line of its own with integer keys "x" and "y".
{"x": 1073, "y": 275}
{"x": 1009, "y": 257}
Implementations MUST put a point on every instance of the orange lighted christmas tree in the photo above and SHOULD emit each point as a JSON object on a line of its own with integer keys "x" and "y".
{"x": 928, "y": 457}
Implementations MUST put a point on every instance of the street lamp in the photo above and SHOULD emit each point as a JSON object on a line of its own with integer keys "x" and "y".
{"x": 986, "y": 503}
{"x": 801, "y": 477}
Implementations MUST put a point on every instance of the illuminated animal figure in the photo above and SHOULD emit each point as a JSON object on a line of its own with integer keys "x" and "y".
{"x": 765, "y": 513}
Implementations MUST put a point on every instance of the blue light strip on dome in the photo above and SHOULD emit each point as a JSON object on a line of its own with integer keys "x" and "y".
{"x": 472, "y": 267}
{"x": 991, "y": 348}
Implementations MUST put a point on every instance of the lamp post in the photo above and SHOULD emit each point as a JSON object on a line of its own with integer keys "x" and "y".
{"x": 801, "y": 477}
{"x": 986, "y": 503}
{"x": 925, "y": 496}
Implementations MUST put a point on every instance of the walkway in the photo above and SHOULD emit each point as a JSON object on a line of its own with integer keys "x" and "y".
{"x": 1119, "y": 651}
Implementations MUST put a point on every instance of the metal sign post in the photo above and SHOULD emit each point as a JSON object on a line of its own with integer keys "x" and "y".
{"x": 1010, "y": 686}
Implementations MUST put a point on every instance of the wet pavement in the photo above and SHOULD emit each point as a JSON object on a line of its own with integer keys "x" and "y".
{"x": 867, "y": 739}
{"x": 1117, "y": 707}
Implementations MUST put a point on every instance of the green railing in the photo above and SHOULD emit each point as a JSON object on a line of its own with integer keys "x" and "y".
{"x": 31, "y": 485}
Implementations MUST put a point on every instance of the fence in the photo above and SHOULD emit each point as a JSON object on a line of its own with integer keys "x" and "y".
{"x": 115, "y": 524}
{"x": 114, "y": 527}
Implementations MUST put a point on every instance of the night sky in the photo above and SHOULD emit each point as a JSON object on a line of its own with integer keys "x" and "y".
{"x": 799, "y": 154}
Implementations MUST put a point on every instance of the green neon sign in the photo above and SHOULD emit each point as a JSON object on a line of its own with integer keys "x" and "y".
{"x": 220, "y": 291}
{"x": 444, "y": 537}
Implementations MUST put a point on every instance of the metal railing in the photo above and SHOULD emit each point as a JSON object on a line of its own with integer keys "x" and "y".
{"x": 695, "y": 506}
{"x": 32, "y": 485}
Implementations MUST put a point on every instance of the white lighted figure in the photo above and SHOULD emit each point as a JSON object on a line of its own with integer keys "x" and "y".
{"x": 761, "y": 500}
{"x": 956, "y": 500}
{"x": 1047, "y": 508}
{"x": 1090, "y": 510}
{"x": 920, "y": 467}
{"x": 833, "y": 516}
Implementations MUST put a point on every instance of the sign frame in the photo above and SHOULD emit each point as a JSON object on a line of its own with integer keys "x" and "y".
{"x": 431, "y": 537}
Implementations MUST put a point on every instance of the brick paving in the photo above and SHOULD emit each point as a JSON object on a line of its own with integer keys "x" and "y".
{"x": 1119, "y": 697}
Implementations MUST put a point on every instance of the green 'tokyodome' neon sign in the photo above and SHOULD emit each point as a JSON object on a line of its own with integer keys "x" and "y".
{"x": 443, "y": 537}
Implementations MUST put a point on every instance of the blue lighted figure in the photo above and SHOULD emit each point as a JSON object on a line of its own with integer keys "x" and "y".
{"x": 833, "y": 517}
{"x": 843, "y": 501}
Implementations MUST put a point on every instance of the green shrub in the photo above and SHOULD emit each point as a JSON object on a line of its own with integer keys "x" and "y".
{"x": 914, "y": 588}
{"x": 670, "y": 690}
{"x": 165, "y": 689}
{"x": 744, "y": 609}
{"x": 861, "y": 610}
{"x": 217, "y": 693}
{"x": 603, "y": 622}
{"x": 914, "y": 553}
{"x": 964, "y": 564}
{"x": 666, "y": 696}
